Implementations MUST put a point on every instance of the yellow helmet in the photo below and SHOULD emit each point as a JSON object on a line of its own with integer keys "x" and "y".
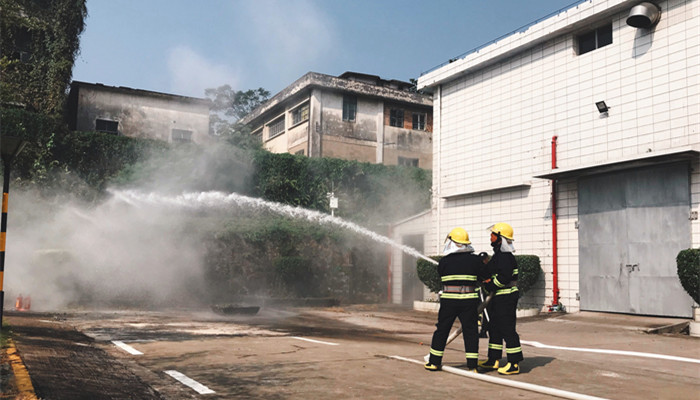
{"x": 503, "y": 229}
{"x": 459, "y": 235}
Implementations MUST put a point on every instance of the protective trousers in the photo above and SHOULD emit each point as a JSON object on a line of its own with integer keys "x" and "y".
{"x": 465, "y": 310}
{"x": 502, "y": 311}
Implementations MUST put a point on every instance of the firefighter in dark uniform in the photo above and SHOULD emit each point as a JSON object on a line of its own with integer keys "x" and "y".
{"x": 503, "y": 307}
{"x": 460, "y": 273}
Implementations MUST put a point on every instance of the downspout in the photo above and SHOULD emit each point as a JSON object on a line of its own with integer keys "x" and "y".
{"x": 555, "y": 268}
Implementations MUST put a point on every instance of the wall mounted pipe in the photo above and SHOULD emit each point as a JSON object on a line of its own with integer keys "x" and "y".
{"x": 555, "y": 266}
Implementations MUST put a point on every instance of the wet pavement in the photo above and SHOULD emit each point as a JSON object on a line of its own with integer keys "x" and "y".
{"x": 342, "y": 352}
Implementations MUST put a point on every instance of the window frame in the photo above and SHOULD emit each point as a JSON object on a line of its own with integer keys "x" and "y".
{"x": 274, "y": 124}
{"x": 394, "y": 119}
{"x": 349, "y": 108}
{"x": 105, "y": 129}
{"x": 408, "y": 161}
{"x": 297, "y": 114}
{"x": 601, "y": 36}
{"x": 422, "y": 124}
{"x": 184, "y": 135}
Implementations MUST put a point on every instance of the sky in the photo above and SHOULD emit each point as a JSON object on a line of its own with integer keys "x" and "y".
{"x": 186, "y": 46}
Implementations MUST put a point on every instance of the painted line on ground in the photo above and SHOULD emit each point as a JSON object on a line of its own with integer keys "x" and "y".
{"x": 22, "y": 379}
{"x": 314, "y": 341}
{"x": 187, "y": 381}
{"x": 616, "y": 352}
{"x": 508, "y": 382}
{"x": 126, "y": 347}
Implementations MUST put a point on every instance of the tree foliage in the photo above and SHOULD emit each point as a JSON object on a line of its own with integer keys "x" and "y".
{"x": 236, "y": 104}
{"x": 228, "y": 107}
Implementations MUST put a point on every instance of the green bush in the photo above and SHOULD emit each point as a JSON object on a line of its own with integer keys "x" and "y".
{"x": 529, "y": 272}
{"x": 688, "y": 262}
{"x": 427, "y": 273}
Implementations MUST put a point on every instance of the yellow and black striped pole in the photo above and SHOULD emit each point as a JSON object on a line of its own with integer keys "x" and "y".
{"x": 9, "y": 148}
{"x": 3, "y": 231}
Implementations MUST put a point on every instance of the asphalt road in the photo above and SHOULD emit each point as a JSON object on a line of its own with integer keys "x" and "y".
{"x": 338, "y": 353}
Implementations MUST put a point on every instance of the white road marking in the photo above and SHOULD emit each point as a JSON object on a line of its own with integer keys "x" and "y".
{"x": 185, "y": 380}
{"x": 314, "y": 341}
{"x": 616, "y": 352}
{"x": 509, "y": 382}
{"x": 126, "y": 347}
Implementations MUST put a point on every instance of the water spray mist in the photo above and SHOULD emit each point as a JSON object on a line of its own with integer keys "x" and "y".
{"x": 219, "y": 200}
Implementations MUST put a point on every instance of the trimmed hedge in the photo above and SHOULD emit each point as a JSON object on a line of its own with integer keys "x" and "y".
{"x": 688, "y": 262}
{"x": 529, "y": 272}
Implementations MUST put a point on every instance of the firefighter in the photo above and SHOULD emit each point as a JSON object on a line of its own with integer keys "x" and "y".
{"x": 460, "y": 271}
{"x": 502, "y": 310}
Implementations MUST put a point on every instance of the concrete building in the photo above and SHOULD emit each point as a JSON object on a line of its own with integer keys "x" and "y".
{"x": 137, "y": 113}
{"x": 353, "y": 116}
{"x": 588, "y": 126}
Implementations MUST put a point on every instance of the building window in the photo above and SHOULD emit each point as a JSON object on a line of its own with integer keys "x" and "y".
{"x": 300, "y": 153}
{"x": 276, "y": 128}
{"x": 181, "y": 135}
{"x": 349, "y": 108}
{"x": 300, "y": 114}
{"x": 419, "y": 121}
{"x": 595, "y": 39}
{"x": 107, "y": 126}
{"x": 22, "y": 45}
{"x": 396, "y": 118}
{"x": 410, "y": 162}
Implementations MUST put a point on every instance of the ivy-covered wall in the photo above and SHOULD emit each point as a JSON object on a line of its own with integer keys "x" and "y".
{"x": 39, "y": 40}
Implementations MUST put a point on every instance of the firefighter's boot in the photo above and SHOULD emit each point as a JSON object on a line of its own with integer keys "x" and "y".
{"x": 509, "y": 369}
{"x": 432, "y": 367}
{"x": 488, "y": 364}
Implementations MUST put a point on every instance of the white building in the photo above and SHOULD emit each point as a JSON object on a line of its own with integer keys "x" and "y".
{"x": 627, "y": 179}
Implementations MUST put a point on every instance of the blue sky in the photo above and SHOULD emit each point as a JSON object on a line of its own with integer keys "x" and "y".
{"x": 185, "y": 46}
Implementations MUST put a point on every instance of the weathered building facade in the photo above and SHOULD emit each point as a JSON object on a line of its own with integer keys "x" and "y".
{"x": 353, "y": 116}
{"x": 137, "y": 113}
{"x": 589, "y": 127}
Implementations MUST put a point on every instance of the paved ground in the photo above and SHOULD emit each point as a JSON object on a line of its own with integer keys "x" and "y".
{"x": 337, "y": 353}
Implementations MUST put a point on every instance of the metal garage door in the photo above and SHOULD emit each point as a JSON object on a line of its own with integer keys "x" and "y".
{"x": 632, "y": 224}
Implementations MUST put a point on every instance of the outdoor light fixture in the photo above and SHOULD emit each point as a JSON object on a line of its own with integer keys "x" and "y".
{"x": 602, "y": 107}
{"x": 10, "y": 146}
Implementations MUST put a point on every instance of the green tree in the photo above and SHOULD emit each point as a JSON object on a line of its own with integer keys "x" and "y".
{"x": 230, "y": 106}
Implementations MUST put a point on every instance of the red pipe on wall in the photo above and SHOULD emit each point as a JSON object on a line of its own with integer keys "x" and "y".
{"x": 555, "y": 268}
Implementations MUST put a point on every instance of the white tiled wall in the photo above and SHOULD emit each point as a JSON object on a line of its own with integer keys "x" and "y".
{"x": 494, "y": 128}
